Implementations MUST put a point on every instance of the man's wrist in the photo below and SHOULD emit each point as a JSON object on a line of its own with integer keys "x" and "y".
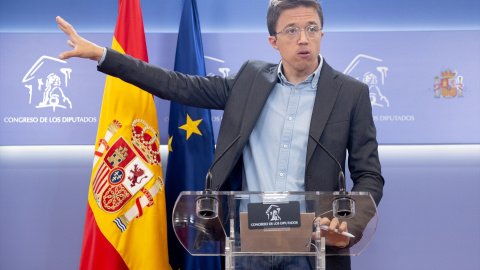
{"x": 104, "y": 53}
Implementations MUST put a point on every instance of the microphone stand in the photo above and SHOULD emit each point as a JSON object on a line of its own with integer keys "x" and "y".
{"x": 343, "y": 204}
{"x": 207, "y": 205}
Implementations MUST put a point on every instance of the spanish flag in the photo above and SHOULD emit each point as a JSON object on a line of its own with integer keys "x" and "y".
{"x": 125, "y": 226}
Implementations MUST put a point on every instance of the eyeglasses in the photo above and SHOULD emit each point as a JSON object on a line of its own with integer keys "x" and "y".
{"x": 293, "y": 33}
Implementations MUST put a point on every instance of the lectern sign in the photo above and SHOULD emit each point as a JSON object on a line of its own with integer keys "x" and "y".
{"x": 279, "y": 215}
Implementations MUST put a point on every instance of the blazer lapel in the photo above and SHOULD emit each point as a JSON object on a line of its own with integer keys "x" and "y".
{"x": 327, "y": 92}
{"x": 263, "y": 84}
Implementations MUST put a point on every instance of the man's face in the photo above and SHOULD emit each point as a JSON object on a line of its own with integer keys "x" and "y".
{"x": 300, "y": 56}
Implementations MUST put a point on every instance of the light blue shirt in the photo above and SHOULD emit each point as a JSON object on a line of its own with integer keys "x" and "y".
{"x": 275, "y": 155}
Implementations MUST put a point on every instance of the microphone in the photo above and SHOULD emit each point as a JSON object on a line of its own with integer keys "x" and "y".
{"x": 343, "y": 204}
{"x": 207, "y": 205}
{"x": 208, "y": 179}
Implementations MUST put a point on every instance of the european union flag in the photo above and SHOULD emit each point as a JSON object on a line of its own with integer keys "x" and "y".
{"x": 191, "y": 143}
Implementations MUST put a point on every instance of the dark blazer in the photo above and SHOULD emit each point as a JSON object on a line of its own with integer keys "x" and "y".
{"x": 341, "y": 118}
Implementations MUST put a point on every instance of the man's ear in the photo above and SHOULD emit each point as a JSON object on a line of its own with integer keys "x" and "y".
{"x": 273, "y": 42}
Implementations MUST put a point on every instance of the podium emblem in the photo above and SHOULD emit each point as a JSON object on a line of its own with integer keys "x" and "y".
{"x": 273, "y": 213}
{"x": 264, "y": 215}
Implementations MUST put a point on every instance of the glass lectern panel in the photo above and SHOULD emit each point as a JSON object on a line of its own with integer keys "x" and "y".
{"x": 270, "y": 223}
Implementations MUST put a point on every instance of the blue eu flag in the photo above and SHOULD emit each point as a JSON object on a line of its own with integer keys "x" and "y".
{"x": 191, "y": 142}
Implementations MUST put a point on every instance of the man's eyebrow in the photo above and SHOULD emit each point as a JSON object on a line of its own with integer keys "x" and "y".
{"x": 295, "y": 25}
{"x": 289, "y": 25}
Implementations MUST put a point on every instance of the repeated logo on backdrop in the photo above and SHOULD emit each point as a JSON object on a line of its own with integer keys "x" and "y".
{"x": 222, "y": 69}
{"x": 373, "y": 72}
{"x": 44, "y": 95}
{"x": 48, "y": 91}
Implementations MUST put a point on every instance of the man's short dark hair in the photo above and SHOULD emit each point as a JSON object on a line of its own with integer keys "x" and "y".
{"x": 277, "y": 6}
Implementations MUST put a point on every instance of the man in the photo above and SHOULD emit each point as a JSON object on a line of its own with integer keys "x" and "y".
{"x": 272, "y": 112}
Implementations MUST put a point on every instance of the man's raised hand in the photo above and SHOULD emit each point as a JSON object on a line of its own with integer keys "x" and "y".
{"x": 81, "y": 47}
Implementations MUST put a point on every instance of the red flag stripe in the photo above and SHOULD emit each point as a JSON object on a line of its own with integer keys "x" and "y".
{"x": 129, "y": 21}
{"x": 97, "y": 252}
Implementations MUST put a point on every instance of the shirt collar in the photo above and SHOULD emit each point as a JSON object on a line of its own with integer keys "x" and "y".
{"x": 313, "y": 78}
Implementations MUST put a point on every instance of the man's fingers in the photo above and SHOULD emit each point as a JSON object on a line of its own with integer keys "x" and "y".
{"x": 66, "y": 55}
{"x": 333, "y": 225}
{"x": 69, "y": 54}
{"x": 82, "y": 47}
{"x": 333, "y": 238}
{"x": 71, "y": 43}
{"x": 62, "y": 24}
{"x": 324, "y": 221}
{"x": 343, "y": 227}
{"x": 66, "y": 27}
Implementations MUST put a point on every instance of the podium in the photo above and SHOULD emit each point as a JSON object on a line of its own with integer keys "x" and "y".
{"x": 244, "y": 226}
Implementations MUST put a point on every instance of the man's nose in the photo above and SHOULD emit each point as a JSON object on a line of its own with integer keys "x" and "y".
{"x": 303, "y": 37}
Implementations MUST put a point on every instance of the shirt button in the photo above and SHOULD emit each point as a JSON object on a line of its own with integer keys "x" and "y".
{"x": 285, "y": 146}
{"x": 290, "y": 118}
{"x": 296, "y": 91}
{"x": 281, "y": 174}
